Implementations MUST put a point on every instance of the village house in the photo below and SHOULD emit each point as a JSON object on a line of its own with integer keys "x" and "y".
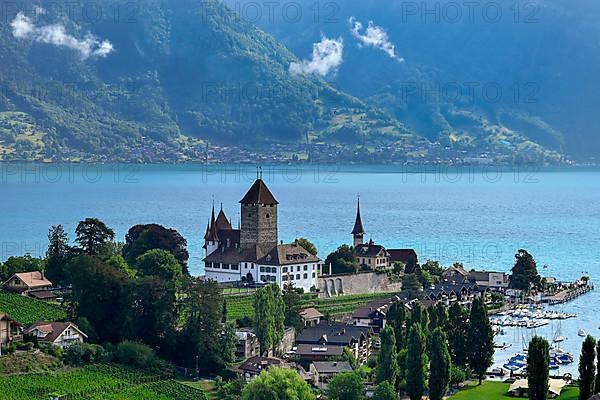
{"x": 374, "y": 256}
{"x": 323, "y": 371}
{"x": 497, "y": 281}
{"x": 306, "y": 352}
{"x": 253, "y": 366}
{"x": 373, "y": 314}
{"x": 247, "y": 345}
{"x": 450, "y": 292}
{"x": 311, "y": 316}
{"x": 27, "y": 282}
{"x": 252, "y": 252}
{"x": 62, "y": 334}
{"x": 10, "y": 329}
{"x": 326, "y": 336}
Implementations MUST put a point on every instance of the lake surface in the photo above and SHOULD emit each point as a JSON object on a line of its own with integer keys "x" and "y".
{"x": 478, "y": 216}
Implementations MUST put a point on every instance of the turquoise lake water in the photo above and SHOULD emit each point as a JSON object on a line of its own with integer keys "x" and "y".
{"x": 477, "y": 216}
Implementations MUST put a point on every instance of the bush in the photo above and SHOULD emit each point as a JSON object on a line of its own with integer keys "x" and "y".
{"x": 141, "y": 356}
{"x": 25, "y": 346}
{"x": 55, "y": 351}
{"x": 84, "y": 353}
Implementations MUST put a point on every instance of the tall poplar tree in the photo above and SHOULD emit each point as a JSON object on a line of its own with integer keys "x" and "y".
{"x": 456, "y": 330}
{"x": 439, "y": 375}
{"x": 269, "y": 317}
{"x": 480, "y": 349}
{"x": 587, "y": 369}
{"x": 538, "y": 371}
{"x": 415, "y": 376}
{"x": 387, "y": 364}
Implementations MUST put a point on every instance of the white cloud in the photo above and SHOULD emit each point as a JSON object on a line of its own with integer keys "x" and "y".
{"x": 55, "y": 34}
{"x": 374, "y": 36}
{"x": 327, "y": 56}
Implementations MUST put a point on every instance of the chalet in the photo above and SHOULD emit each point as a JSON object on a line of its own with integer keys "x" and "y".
{"x": 62, "y": 334}
{"x": 247, "y": 345}
{"x": 10, "y": 329}
{"x": 455, "y": 273}
{"x": 27, "y": 282}
{"x": 356, "y": 338}
{"x": 323, "y": 371}
{"x": 253, "y": 366}
{"x": 311, "y": 316}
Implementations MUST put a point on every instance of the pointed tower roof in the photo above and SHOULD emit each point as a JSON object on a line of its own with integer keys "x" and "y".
{"x": 259, "y": 193}
{"x": 222, "y": 222}
{"x": 358, "y": 226}
{"x": 207, "y": 231}
{"x": 212, "y": 230}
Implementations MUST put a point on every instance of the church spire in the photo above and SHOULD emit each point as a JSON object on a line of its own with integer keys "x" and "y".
{"x": 358, "y": 231}
{"x": 358, "y": 226}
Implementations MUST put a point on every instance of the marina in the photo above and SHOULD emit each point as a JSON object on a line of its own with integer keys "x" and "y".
{"x": 565, "y": 325}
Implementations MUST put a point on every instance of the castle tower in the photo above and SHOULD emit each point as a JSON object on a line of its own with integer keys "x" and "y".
{"x": 358, "y": 232}
{"x": 259, "y": 215}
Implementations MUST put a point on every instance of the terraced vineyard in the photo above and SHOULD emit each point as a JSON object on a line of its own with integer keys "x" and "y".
{"x": 239, "y": 306}
{"x": 97, "y": 382}
{"x": 27, "y": 310}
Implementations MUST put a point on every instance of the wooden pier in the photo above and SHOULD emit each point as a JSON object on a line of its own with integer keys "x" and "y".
{"x": 568, "y": 295}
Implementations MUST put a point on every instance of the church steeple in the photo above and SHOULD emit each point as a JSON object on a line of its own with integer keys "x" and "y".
{"x": 358, "y": 231}
{"x": 212, "y": 230}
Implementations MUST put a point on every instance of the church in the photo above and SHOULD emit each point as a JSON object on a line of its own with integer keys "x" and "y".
{"x": 374, "y": 256}
{"x": 253, "y": 251}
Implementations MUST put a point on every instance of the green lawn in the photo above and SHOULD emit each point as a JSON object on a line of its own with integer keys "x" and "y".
{"x": 27, "y": 310}
{"x": 498, "y": 391}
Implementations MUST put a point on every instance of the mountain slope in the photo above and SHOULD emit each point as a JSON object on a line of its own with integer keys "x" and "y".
{"x": 175, "y": 70}
{"x": 542, "y": 55}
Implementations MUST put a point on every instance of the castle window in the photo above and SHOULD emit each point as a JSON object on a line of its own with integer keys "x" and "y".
{"x": 298, "y": 269}
{"x": 298, "y": 276}
{"x": 235, "y": 267}
{"x": 284, "y": 269}
{"x": 305, "y": 276}
{"x": 313, "y": 275}
{"x": 268, "y": 215}
{"x": 262, "y": 269}
{"x": 306, "y": 267}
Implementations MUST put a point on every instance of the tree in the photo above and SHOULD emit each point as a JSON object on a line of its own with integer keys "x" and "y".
{"x": 387, "y": 364}
{"x": 142, "y": 238}
{"x": 228, "y": 342}
{"x": 57, "y": 255}
{"x": 385, "y": 391}
{"x": 587, "y": 369}
{"x": 16, "y": 264}
{"x": 202, "y": 332}
{"x": 412, "y": 287}
{"x": 396, "y": 316}
{"x": 307, "y": 245}
{"x": 524, "y": 272}
{"x": 119, "y": 263}
{"x": 99, "y": 294}
{"x": 92, "y": 234}
{"x": 342, "y": 260}
{"x": 415, "y": 377}
{"x": 480, "y": 349}
{"x": 269, "y": 316}
{"x": 438, "y": 317}
{"x": 439, "y": 376}
{"x": 159, "y": 263}
{"x": 277, "y": 384}
{"x": 538, "y": 371}
{"x": 433, "y": 267}
{"x": 293, "y": 305}
{"x": 152, "y": 314}
{"x": 456, "y": 330}
{"x": 346, "y": 386}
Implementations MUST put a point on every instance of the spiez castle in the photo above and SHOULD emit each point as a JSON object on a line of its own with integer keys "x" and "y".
{"x": 252, "y": 251}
